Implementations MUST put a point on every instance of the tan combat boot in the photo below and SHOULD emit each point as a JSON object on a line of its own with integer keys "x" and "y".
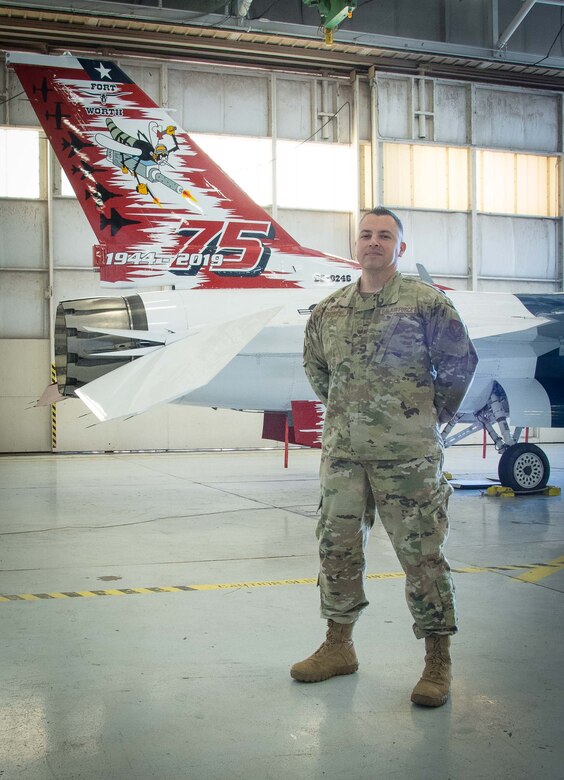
{"x": 335, "y": 656}
{"x": 433, "y": 687}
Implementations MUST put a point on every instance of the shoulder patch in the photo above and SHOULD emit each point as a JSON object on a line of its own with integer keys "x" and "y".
{"x": 455, "y": 329}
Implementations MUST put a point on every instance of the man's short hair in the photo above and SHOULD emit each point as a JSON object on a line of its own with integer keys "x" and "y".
{"x": 382, "y": 211}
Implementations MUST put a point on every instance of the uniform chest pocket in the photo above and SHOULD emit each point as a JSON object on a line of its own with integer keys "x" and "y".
{"x": 401, "y": 342}
{"x": 334, "y": 340}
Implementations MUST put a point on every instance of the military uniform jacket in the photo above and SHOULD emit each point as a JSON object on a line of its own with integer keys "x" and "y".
{"x": 389, "y": 368}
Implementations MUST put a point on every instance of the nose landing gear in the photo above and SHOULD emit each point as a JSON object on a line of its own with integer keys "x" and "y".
{"x": 524, "y": 467}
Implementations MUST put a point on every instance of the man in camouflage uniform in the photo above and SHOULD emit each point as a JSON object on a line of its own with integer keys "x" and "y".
{"x": 391, "y": 359}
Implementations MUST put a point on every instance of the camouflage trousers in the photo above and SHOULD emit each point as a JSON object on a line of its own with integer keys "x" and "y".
{"x": 411, "y": 499}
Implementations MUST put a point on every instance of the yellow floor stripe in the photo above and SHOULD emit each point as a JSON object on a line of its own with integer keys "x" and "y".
{"x": 143, "y": 590}
{"x": 264, "y": 584}
{"x": 542, "y": 570}
{"x": 536, "y": 572}
{"x": 391, "y": 575}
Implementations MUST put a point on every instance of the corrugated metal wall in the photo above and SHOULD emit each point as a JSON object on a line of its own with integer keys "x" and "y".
{"x": 505, "y": 233}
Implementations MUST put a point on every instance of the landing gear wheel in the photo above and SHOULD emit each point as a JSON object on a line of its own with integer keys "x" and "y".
{"x": 523, "y": 468}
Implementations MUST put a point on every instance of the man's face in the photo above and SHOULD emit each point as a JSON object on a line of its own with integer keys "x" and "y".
{"x": 379, "y": 245}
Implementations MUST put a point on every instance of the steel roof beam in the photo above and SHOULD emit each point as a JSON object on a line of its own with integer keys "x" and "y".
{"x": 514, "y": 23}
{"x": 519, "y": 16}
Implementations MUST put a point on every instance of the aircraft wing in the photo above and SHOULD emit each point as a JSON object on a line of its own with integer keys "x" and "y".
{"x": 172, "y": 371}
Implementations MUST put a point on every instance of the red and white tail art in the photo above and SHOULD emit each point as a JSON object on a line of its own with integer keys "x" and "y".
{"x": 163, "y": 212}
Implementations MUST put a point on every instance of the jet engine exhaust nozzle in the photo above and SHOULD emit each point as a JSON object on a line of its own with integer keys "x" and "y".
{"x": 82, "y": 341}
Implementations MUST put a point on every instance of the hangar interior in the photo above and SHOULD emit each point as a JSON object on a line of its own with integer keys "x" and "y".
{"x": 461, "y": 135}
{"x": 154, "y": 592}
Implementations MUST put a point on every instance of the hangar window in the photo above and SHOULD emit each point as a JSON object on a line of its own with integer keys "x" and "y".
{"x": 426, "y": 176}
{"x": 19, "y": 163}
{"x": 66, "y": 187}
{"x": 312, "y": 176}
{"x": 246, "y": 160}
{"x": 315, "y": 176}
{"x": 509, "y": 183}
{"x": 437, "y": 177}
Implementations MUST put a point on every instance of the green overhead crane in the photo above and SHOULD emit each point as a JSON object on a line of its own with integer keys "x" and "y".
{"x": 332, "y": 13}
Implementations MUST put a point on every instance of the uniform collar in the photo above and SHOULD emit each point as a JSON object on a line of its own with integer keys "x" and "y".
{"x": 389, "y": 294}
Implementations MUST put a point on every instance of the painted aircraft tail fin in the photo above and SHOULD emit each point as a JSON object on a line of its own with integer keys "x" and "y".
{"x": 162, "y": 210}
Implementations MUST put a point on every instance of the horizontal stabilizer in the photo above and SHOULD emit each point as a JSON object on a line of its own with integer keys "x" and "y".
{"x": 491, "y": 316}
{"x": 121, "y": 353}
{"x": 154, "y": 336}
{"x": 50, "y": 395}
{"x": 498, "y": 327}
{"x": 172, "y": 371}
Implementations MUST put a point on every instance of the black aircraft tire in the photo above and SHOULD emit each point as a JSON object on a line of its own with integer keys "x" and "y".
{"x": 524, "y": 467}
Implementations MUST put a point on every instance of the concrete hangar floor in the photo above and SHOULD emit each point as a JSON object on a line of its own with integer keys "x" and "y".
{"x": 152, "y": 605}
